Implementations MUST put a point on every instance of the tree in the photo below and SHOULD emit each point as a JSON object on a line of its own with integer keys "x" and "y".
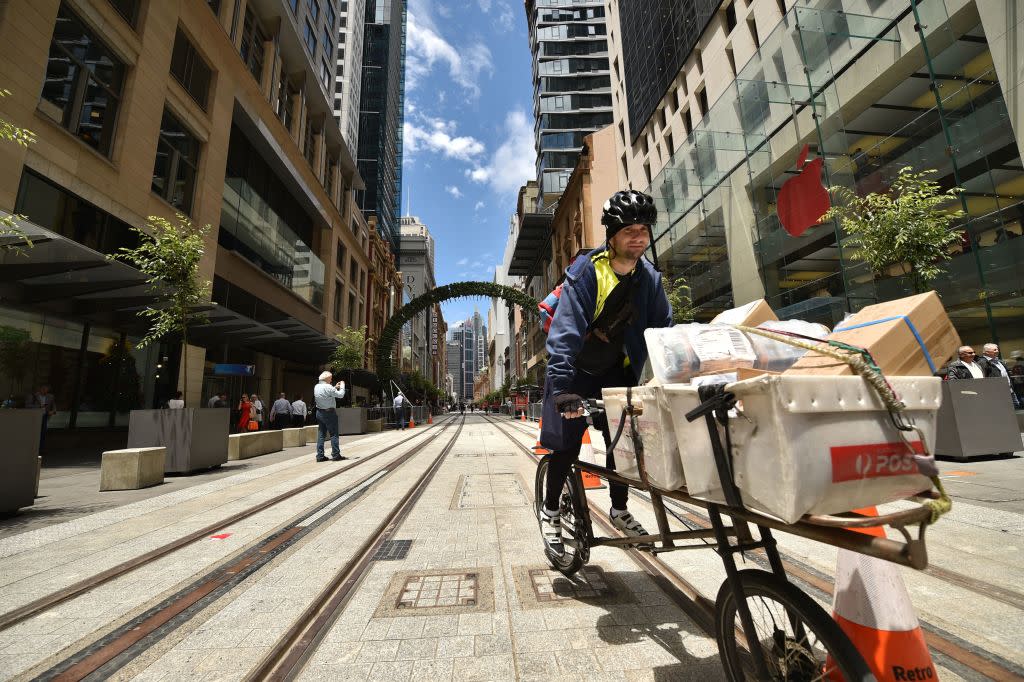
{"x": 348, "y": 354}
{"x": 680, "y": 297}
{"x": 9, "y": 224}
{"x": 907, "y": 226}
{"x": 169, "y": 255}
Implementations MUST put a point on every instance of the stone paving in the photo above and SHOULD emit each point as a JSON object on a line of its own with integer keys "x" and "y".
{"x": 463, "y": 592}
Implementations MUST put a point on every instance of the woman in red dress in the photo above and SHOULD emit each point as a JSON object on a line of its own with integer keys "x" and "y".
{"x": 244, "y": 414}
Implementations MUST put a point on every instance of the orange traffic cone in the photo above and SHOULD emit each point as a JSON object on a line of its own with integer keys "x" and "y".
{"x": 538, "y": 448}
{"x": 412, "y": 424}
{"x": 590, "y": 481}
{"x": 872, "y": 607}
{"x": 522, "y": 416}
{"x": 430, "y": 418}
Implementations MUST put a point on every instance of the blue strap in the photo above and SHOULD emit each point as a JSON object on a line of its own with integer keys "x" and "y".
{"x": 913, "y": 330}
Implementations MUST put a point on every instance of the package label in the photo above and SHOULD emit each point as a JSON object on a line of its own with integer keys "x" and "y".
{"x": 874, "y": 460}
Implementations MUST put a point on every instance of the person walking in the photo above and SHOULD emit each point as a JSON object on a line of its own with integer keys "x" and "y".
{"x": 177, "y": 402}
{"x": 399, "y": 404}
{"x": 990, "y": 354}
{"x": 245, "y": 414}
{"x": 257, "y": 406}
{"x": 43, "y": 399}
{"x": 212, "y": 402}
{"x": 596, "y": 341}
{"x": 298, "y": 412}
{"x": 281, "y": 413}
{"x": 324, "y": 398}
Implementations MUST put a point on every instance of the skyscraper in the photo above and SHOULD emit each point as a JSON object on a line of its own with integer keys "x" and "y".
{"x": 467, "y": 350}
{"x": 381, "y": 101}
{"x": 348, "y": 75}
{"x": 418, "y": 279}
{"x": 572, "y": 85}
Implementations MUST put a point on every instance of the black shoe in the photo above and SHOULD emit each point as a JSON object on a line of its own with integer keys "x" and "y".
{"x": 321, "y": 459}
{"x": 338, "y": 458}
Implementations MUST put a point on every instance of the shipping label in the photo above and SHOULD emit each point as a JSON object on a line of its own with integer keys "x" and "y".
{"x": 874, "y": 460}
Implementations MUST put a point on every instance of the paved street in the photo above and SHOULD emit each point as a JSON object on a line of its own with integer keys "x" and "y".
{"x": 460, "y": 591}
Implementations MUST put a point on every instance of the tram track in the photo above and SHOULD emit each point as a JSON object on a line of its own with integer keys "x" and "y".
{"x": 104, "y": 657}
{"x": 37, "y": 606}
{"x": 965, "y": 656}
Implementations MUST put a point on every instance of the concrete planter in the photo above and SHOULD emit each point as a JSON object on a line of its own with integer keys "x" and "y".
{"x": 351, "y": 420}
{"x": 132, "y": 469}
{"x": 311, "y": 432}
{"x": 19, "y": 458}
{"x": 195, "y": 439}
{"x": 294, "y": 437}
{"x": 374, "y": 425}
{"x": 254, "y": 444}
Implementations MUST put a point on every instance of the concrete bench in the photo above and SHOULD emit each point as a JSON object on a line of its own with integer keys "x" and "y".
{"x": 294, "y": 437}
{"x": 132, "y": 468}
{"x": 311, "y": 431}
{"x": 254, "y": 444}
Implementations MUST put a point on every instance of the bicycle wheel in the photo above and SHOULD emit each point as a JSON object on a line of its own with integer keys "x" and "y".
{"x": 798, "y": 638}
{"x": 574, "y": 532}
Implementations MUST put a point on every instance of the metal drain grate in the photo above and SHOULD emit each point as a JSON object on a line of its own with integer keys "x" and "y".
{"x": 392, "y": 550}
{"x": 426, "y": 591}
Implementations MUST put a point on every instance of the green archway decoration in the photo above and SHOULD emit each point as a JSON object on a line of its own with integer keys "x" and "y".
{"x": 440, "y": 294}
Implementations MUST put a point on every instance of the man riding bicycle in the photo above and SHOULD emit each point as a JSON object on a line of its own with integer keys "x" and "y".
{"x": 609, "y": 297}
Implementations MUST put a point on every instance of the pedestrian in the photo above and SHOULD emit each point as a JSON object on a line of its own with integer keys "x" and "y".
{"x": 1017, "y": 374}
{"x": 324, "y": 399}
{"x": 257, "y": 406}
{"x": 8, "y": 404}
{"x": 596, "y": 340}
{"x": 281, "y": 413}
{"x": 177, "y": 402}
{"x": 399, "y": 404}
{"x": 990, "y": 354}
{"x": 968, "y": 367}
{"x": 214, "y": 399}
{"x": 245, "y": 415}
{"x": 222, "y": 401}
{"x": 462, "y": 409}
{"x": 43, "y": 400}
{"x": 298, "y": 412}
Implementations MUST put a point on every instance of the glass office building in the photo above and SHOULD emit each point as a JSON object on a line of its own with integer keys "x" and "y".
{"x": 571, "y": 84}
{"x": 872, "y": 87}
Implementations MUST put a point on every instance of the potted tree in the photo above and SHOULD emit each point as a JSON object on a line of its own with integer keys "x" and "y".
{"x": 169, "y": 254}
{"x": 904, "y": 232}
{"x": 681, "y": 298}
{"x": 347, "y": 356}
{"x": 21, "y": 427}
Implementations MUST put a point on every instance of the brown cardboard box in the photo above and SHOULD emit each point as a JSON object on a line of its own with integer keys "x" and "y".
{"x": 891, "y": 342}
{"x": 749, "y": 315}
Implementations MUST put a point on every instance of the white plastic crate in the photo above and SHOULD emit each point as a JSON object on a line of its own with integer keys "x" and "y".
{"x": 809, "y": 444}
{"x": 661, "y": 453}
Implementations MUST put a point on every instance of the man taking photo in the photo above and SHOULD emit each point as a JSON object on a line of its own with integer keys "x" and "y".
{"x": 596, "y": 340}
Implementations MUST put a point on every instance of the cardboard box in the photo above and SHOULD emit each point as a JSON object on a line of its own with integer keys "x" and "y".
{"x": 886, "y": 330}
{"x": 749, "y": 315}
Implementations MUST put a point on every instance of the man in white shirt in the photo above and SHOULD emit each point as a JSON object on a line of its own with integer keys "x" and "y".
{"x": 324, "y": 397}
{"x": 399, "y": 404}
{"x": 298, "y": 412}
{"x": 281, "y": 413}
{"x": 990, "y": 352}
{"x": 966, "y": 367}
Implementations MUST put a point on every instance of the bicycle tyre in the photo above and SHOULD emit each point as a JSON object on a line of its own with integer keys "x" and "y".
{"x": 574, "y": 534}
{"x": 764, "y": 585}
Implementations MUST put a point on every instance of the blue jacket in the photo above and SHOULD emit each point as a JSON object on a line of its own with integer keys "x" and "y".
{"x": 573, "y": 316}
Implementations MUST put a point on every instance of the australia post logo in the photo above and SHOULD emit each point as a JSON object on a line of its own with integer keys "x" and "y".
{"x": 874, "y": 460}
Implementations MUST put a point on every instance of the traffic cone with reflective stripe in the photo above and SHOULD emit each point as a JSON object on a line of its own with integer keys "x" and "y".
{"x": 522, "y": 416}
{"x": 538, "y": 448}
{"x": 590, "y": 481}
{"x": 412, "y": 424}
{"x": 430, "y": 418}
{"x": 873, "y": 608}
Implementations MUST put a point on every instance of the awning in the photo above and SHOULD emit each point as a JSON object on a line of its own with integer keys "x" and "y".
{"x": 59, "y": 276}
{"x": 534, "y": 233}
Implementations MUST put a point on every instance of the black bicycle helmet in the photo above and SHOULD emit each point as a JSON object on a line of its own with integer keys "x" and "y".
{"x": 628, "y": 207}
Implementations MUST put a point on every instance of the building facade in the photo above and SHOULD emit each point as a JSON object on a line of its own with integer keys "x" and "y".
{"x": 572, "y": 88}
{"x": 467, "y": 352}
{"x": 417, "y": 248}
{"x": 348, "y": 76}
{"x": 220, "y": 111}
{"x": 453, "y": 365}
{"x": 869, "y": 87}
{"x": 385, "y": 285}
{"x": 381, "y": 112}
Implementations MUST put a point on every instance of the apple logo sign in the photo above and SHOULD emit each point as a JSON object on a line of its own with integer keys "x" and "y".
{"x": 803, "y": 200}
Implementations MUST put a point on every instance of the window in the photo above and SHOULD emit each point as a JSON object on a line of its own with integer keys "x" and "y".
{"x": 352, "y": 310}
{"x": 339, "y": 258}
{"x": 177, "y": 157}
{"x": 294, "y": 4}
{"x": 189, "y": 69}
{"x": 338, "y": 293}
{"x": 328, "y": 43}
{"x": 284, "y": 99}
{"x": 128, "y": 9}
{"x": 702, "y": 102}
{"x": 752, "y": 27}
{"x": 83, "y": 82}
{"x": 310, "y": 37}
{"x": 214, "y": 6}
{"x": 325, "y": 73}
{"x": 730, "y": 17}
{"x": 669, "y": 144}
{"x": 687, "y": 122}
{"x": 253, "y": 38}
{"x": 314, "y": 10}
{"x": 308, "y": 142}
{"x": 331, "y": 16}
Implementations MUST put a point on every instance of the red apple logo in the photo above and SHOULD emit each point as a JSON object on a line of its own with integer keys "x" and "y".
{"x": 803, "y": 200}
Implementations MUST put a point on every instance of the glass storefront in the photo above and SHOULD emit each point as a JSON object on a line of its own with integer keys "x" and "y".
{"x": 853, "y": 88}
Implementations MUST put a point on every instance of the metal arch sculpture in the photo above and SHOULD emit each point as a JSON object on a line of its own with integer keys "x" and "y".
{"x": 438, "y": 295}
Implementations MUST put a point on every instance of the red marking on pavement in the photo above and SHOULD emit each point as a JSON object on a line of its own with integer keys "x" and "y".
{"x": 220, "y": 536}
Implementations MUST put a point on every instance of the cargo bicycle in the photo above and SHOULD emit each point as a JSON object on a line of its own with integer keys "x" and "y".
{"x": 793, "y": 637}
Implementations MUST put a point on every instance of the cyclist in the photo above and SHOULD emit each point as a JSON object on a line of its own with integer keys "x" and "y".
{"x": 596, "y": 340}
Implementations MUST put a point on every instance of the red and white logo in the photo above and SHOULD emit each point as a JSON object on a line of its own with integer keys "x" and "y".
{"x": 874, "y": 460}
{"x": 803, "y": 200}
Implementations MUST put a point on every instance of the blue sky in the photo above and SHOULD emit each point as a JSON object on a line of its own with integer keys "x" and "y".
{"x": 468, "y": 132}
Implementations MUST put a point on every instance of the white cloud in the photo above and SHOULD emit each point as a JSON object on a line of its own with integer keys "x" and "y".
{"x": 462, "y": 261}
{"x": 445, "y": 11}
{"x": 479, "y": 205}
{"x": 511, "y": 165}
{"x": 426, "y": 47}
{"x": 485, "y": 5}
{"x": 438, "y": 136}
{"x": 506, "y": 20}
{"x": 454, "y": 191}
